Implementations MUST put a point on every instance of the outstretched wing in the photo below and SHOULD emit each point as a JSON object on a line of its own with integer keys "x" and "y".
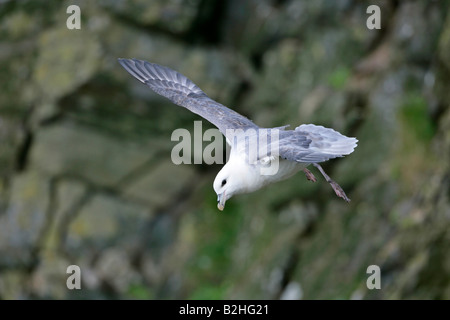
{"x": 183, "y": 92}
{"x": 309, "y": 143}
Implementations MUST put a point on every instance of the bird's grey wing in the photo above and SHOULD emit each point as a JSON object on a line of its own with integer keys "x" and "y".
{"x": 183, "y": 92}
{"x": 309, "y": 143}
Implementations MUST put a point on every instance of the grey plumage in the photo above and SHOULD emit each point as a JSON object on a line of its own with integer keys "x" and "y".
{"x": 183, "y": 92}
{"x": 312, "y": 144}
{"x": 306, "y": 144}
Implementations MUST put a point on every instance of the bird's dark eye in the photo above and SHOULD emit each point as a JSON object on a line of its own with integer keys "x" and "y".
{"x": 224, "y": 182}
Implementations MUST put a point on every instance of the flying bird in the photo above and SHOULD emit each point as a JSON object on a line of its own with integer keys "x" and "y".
{"x": 285, "y": 151}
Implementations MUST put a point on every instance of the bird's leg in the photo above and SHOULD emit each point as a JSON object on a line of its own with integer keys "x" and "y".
{"x": 309, "y": 175}
{"x": 337, "y": 188}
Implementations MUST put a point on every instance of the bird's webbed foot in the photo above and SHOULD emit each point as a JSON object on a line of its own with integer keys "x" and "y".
{"x": 309, "y": 175}
{"x": 336, "y": 187}
{"x": 339, "y": 191}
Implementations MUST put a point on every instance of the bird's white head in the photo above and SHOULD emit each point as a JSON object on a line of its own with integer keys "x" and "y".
{"x": 236, "y": 177}
{"x": 230, "y": 180}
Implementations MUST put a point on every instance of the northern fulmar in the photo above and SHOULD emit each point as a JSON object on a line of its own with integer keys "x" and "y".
{"x": 258, "y": 156}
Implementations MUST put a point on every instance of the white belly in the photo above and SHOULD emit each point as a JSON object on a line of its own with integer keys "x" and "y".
{"x": 286, "y": 169}
{"x": 261, "y": 178}
{"x": 254, "y": 177}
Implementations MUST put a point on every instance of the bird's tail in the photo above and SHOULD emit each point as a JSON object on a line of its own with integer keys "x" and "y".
{"x": 329, "y": 141}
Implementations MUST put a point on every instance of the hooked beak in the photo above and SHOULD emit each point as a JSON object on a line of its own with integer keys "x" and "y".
{"x": 221, "y": 201}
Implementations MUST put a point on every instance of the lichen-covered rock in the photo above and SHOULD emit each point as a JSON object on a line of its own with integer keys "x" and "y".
{"x": 172, "y": 16}
{"x": 162, "y": 184}
{"x": 70, "y": 150}
{"x": 25, "y": 219}
{"x": 85, "y": 171}
{"x": 103, "y": 218}
{"x": 66, "y": 59}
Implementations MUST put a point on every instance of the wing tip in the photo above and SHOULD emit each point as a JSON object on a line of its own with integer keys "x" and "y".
{"x": 133, "y": 67}
{"x": 123, "y": 60}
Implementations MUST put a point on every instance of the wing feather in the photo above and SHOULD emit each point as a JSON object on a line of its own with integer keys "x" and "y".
{"x": 309, "y": 143}
{"x": 183, "y": 92}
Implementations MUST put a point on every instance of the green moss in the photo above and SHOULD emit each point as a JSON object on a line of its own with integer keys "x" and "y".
{"x": 415, "y": 117}
{"x": 216, "y": 235}
{"x": 139, "y": 291}
{"x": 214, "y": 292}
{"x": 415, "y": 131}
{"x": 339, "y": 77}
{"x": 222, "y": 229}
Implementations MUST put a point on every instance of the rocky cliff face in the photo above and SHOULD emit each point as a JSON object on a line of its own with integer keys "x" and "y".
{"x": 87, "y": 179}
